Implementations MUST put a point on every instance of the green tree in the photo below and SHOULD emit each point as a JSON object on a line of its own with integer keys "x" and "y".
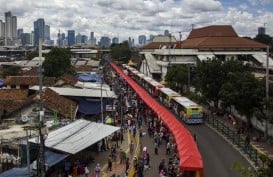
{"x": 32, "y": 55}
{"x": 243, "y": 91}
{"x": 121, "y": 52}
{"x": 210, "y": 78}
{"x": 177, "y": 75}
{"x": 264, "y": 38}
{"x": 57, "y": 62}
{"x": 244, "y": 172}
{"x": 11, "y": 71}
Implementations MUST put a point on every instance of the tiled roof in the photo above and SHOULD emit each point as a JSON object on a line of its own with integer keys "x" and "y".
{"x": 213, "y": 31}
{"x": 83, "y": 68}
{"x": 69, "y": 79}
{"x": 32, "y": 72}
{"x": 13, "y": 99}
{"x": 13, "y": 94}
{"x": 29, "y": 80}
{"x": 64, "y": 106}
{"x": 218, "y": 37}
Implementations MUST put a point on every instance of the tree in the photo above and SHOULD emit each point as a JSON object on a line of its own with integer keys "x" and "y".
{"x": 11, "y": 71}
{"x": 243, "y": 91}
{"x": 244, "y": 172}
{"x": 57, "y": 62}
{"x": 32, "y": 55}
{"x": 121, "y": 52}
{"x": 210, "y": 78}
{"x": 177, "y": 75}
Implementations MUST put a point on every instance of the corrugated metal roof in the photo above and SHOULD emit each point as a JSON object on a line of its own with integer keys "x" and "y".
{"x": 77, "y": 136}
{"x": 94, "y": 93}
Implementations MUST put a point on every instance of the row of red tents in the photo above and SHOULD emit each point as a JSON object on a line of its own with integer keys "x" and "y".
{"x": 190, "y": 158}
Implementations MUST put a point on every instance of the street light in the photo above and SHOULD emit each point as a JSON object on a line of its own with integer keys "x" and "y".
{"x": 180, "y": 39}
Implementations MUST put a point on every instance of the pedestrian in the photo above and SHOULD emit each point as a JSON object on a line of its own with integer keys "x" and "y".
{"x": 156, "y": 148}
{"x": 109, "y": 163}
{"x": 168, "y": 148}
{"x": 121, "y": 138}
{"x": 127, "y": 164}
{"x": 131, "y": 147}
{"x": 120, "y": 155}
{"x": 97, "y": 170}
{"x": 86, "y": 171}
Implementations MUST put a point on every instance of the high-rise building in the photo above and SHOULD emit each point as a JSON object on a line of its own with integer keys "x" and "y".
{"x": 71, "y": 37}
{"x": 105, "y": 42}
{"x": 142, "y": 39}
{"x": 92, "y": 39}
{"x": 20, "y": 31}
{"x": 39, "y": 31}
{"x": 115, "y": 40}
{"x": 2, "y": 29}
{"x": 14, "y": 27}
{"x": 261, "y": 30}
{"x": 25, "y": 39}
{"x": 47, "y": 32}
{"x": 78, "y": 38}
{"x": 166, "y": 33}
{"x": 84, "y": 39}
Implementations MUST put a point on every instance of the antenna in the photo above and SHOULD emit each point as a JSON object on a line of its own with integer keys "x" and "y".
{"x": 192, "y": 26}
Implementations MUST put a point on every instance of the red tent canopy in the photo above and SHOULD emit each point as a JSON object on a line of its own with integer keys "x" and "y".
{"x": 190, "y": 158}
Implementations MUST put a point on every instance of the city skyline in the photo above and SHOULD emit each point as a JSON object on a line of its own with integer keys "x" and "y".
{"x": 124, "y": 19}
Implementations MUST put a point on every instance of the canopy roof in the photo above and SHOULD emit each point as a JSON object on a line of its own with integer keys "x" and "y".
{"x": 77, "y": 136}
{"x": 190, "y": 158}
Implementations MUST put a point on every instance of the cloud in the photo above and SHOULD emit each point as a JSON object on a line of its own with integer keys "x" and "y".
{"x": 126, "y": 18}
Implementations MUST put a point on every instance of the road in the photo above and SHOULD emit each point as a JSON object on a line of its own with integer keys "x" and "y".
{"x": 218, "y": 155}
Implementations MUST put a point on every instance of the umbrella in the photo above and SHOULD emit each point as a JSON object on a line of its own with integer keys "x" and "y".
{"x": 109, "y": 120}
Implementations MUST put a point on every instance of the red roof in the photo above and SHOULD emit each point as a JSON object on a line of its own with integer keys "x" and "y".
{"x": 218, "y": 37}
{"x": 190, "y": 158}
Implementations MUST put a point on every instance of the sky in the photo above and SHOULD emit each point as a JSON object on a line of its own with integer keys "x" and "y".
{"x": 124, "y": 18}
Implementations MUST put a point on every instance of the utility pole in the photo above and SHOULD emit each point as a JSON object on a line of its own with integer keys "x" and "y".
{"x": 267, "y": 91}
{"x": 101, "y": 100}
{"x": 28, "y": 160}
{"x": 41, "y": 115}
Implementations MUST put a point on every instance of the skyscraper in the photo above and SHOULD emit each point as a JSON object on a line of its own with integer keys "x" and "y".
{"x": 39, "y": 31}
{"x": 47, "y": 32}
{"x": 115, "y": 40}
{"x": 20, "y": 31}
{"x": 78, "y": 38}
{"x": 92, "y": 39}
{"x": 142, "y": 39}
{"x": 261, "y": 30}
{"x": 2, "y": 29}
{"x": 71, "y": 37}
{"x": 105, "y": 42}
{"x": 25, "y": 39}
{"x": 10, "y": 25}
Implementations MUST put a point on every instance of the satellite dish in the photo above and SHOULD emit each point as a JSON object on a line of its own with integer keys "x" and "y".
{"x": 24, "y": 118}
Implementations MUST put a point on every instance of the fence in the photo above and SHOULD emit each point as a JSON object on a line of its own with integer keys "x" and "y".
{"x": 234, "y": 138}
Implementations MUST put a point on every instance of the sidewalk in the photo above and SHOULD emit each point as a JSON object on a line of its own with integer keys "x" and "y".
{"x": 262, "y": 147}
{"x": 101, "y": 158}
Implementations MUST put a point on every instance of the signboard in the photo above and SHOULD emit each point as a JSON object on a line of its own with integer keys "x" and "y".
{"x": 110, "y": 108}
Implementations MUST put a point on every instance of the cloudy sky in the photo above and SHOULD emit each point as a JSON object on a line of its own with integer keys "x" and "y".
{"x": 124, "y": 18}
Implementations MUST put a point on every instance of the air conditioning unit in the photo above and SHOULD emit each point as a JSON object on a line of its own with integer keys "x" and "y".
{"x": 24, "y": 118}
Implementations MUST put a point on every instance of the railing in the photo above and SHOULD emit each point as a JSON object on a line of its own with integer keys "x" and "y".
{"x": 132, "y": 170}
{"x": 235, "y": 138}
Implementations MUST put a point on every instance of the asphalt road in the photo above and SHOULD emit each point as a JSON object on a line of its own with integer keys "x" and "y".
{"x": 218, "y": 155}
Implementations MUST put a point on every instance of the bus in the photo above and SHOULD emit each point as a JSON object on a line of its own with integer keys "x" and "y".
{"x": 152, "y": 86}
{"x": 165, "y": 95}
{"x": 187, "y": 110}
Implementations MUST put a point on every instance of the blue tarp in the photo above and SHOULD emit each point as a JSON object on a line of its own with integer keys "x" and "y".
{"x": 89, "y": 77}
{"x": 1, "y": 82}
{"x": 91, "y": 107}
{"x": 51, "y": 159}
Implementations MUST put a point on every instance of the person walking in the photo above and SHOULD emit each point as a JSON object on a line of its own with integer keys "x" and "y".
{"x": 97, "y": 170}
{"x": 109, "y": 163}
